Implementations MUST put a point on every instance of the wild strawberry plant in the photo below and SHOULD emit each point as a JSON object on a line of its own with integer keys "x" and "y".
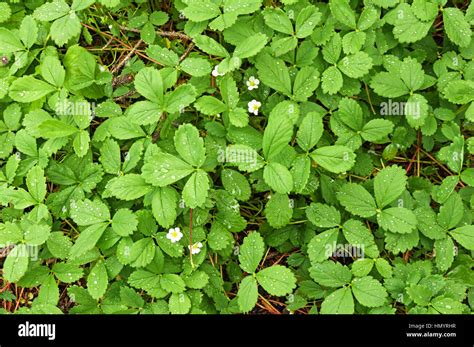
{"x": 235, "y": 156}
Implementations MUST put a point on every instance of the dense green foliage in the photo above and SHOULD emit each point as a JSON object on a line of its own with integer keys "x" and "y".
{"x": 234, "y": 156}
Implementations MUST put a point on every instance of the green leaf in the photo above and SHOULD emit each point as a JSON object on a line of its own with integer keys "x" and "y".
{"x": 278, "y": 210}
{"x": 335, "y": 158}
{"x": 172, "y": 283}
{"x": 383, "y": 267}
{"x": 356, "y": 65}
{"x": 251, "y": 252}
{"x": 357, "y": 200}
{"x": 180, "y": 98}
{"x": 459, "y": 91}
{"x": 277, "y": 134}
{"x": 274, "y": 73}
{"x": 196, "y": 66}
{"x": 189, "y": 145}
{"x": 447, "y": 305}
{"x": 387, "y": 85}
{"x": 210, "y": 46}
{"x": 236, "y": 184}
{"x": 149, "y": 83}
{"x": 277, "y": 280}
{"x": 376, "y": 129}
{"x": 389, "y": 184}
{"x": 51, "y": 10}
{"x": 163, "y": 55}
{"x": 444, "y": 257}
{"x": 362, "y": 267}
{"x": 310, "y": 131}
{"x": 28, "y": 89}
{"x": 276, "y": 19}
{"x": 321, "y": 246}
{"x": 451, "y": 212}
{"x": 283, "y": 45}
{"x": 368, "y": 291}
{"x": 342, "y": 11}
{"x": 456, "y": 26}
{"x": 87, "y": 240}
{"x": 164, "y": 204}
{"x": 398, "y": 220}
{"x": 122, "y": 129}
{"x": 124, "y": 222}
{"x": 81, "y": 143}
{"x": 98, "y": 280}
{"x": 89, "y": 212}
{"x": 52, "y": 71}
{"x": 242, "y": 7}
{"x": 110, "y": 156}
{"x": 65, "y": 28}
{"x": 67, "y": 273}
{"x": 9, "y": 41}
{"x": 338, "y": 302}
{"x": 330, "y": 274}
{"x": 16, "y": 263}
{"x": 179, "y": 303}
{"x": 306, "y": 21}
{"x": 331, "y": 80}
{"x": 323, "y": 216}
{"x": 144, "y": 112}
{"x": 201, "y": 10}
{"x": 411, "y": 73}
{"x": 465, "y": 236}
{"x": 247, "y": 295}
{"x": 300, "y": 171}
{"x": 196, "y": 280}
{"x": 278, "y": 178}
{"x": 306, "y": 82}
{"x": 209, "y": 105}
{"x": 128, "y": 187}
{"x": 55, "y": 128}
{"x": 36, "y": 183}
{"x": 250, "y": 46}
{"x": 49, "y": 292}
{"x": 407, "y": 27}
{"x": 165, "y": 169}
{"x": 196, "y": 189}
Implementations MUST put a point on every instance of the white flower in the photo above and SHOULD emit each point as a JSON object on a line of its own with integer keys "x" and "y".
{"x": 174, "y": 235}
{"x": 254, "y": 105}
{"x": 252, "y": 83}
{"x": 216, "y": 73}
{"x": 196, "y": 248}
